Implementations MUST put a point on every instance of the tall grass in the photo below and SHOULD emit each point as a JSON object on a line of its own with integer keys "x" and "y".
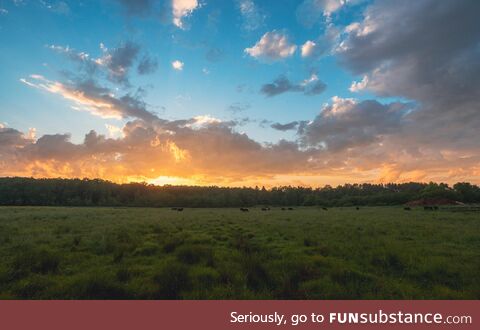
{"x": 342, "y": 253}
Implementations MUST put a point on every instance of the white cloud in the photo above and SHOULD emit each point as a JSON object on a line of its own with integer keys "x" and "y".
{"x": 272, "y": 46}
{"x": 114, "y": 131}
{"x": 308, "y": 48}
{"x": 181, "y": 9}
{"x": 203, "y": 121}
{"x": 358, "y": 86}
{"x": 178, "y": 65}
{"x": 252, "y": 17}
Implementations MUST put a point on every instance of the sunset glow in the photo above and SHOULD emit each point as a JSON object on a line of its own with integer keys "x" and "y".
{"x": 240, "y": 92}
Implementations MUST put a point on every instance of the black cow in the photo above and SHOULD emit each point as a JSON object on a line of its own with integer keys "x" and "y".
{"x": 324, "y": 208}
{"x": 244, "y": 209}
{"x": 174, "y": 209}
{"x": 290, "y": 208}
{"x": 407, "y": 208}
{"x": 357, "y": 208}
{"x": 283, "y": 209}
{"x": 180, "y": 209}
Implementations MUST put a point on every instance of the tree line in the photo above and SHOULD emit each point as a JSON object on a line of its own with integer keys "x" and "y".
{"x": 96, "y": 192}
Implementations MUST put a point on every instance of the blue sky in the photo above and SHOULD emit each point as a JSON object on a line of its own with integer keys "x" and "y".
{"x": 234, "y": 92}
{"x": 217, "y": 26}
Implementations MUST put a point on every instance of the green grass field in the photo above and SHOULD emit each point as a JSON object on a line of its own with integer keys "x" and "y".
{"x": 307, "y": 253}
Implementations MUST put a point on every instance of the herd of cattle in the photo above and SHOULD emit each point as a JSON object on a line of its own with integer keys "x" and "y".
{"x": 243, "y": 209}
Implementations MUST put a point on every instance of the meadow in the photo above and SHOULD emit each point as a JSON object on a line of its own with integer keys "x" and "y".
{"x": 305, "y": 253}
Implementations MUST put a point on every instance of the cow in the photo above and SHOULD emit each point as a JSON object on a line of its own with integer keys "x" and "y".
{"x": 407, "y": 208}
{"x": 180, "y": 209}
{"x": 174, "y": 209}
{"x": 357, "y": 208}
{"x": 283, "y": 209}
{"x": 244, "y": 209}
{"x": 290, "y": 208}
{"x": 324, "y": 208}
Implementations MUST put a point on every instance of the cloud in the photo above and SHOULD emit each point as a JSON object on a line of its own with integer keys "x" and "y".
{"x": 311, "y": 86}
{"x": 310, "y": 12}
{"x": 347, "y": 123}
{"x": 115, "y": 64}
{"x": 90, "y": 97}
{"x": 358, "y": 86}
{"x": 118, "y": 61}
{"x": 70, "y": 53}
{"x": 432, "y": 134}
{"x": 202, "y": 149}
{"x": 238, "y": 107}
{"x": 182, "y": 9}
{"x": 308, "y": 48}
{"x": 147, "y": 65}
{"x": 177, "y": 65}
{"x": 285, "y": 127}
{"x": 323, "y": 45}
{"x": 253, "y": 18}
{"x": 114, "y": 131}
{"x": 273, "y": 46}
{"x": 433, "y": 63}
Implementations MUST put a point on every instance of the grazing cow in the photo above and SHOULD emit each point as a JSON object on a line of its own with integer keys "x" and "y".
{"x": 357, "y": 208}
{"x": 290, "y": 208}
{"x": 244, "y": 209}
{"x": 174, "y": 209}
{"x": 324, "y": 208}
{"x": 180, "y": 209}
{"x": 283, "y": 209}
{"x": 407, "y": 208}
{"x": 264, "y": 208}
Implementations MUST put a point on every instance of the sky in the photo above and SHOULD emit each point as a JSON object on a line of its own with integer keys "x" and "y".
{"x": 241, "y": 92}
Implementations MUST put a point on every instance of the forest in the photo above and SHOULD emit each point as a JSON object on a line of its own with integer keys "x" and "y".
{"x": 95, "y": 192}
